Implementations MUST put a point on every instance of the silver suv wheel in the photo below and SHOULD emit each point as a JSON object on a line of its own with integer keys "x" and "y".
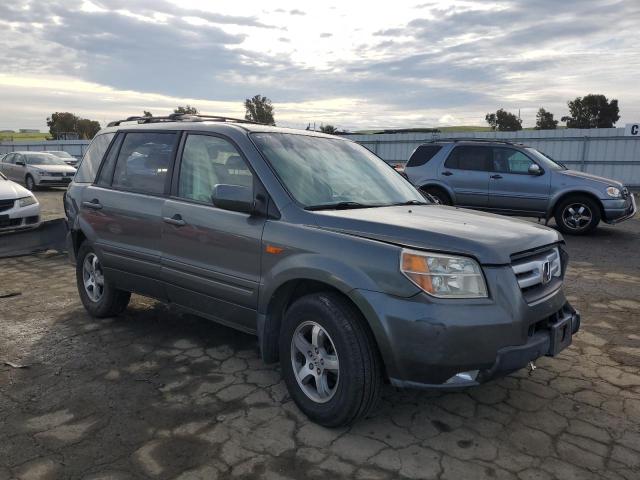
{"x": 315, "y": 362}
{"x": 93, "y": 277}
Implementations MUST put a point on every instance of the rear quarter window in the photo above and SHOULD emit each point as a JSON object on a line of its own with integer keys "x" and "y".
{"x": 423, "y": 154}
{"x": 92, "y": 158}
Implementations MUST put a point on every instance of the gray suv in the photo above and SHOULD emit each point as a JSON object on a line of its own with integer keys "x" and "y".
{"x": 513, "y": 179}
{"x": 344, "y": 272}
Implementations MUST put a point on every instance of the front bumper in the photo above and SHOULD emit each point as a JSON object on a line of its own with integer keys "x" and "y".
{"x": 20, "y": 218}
{"x": 51, "y": 181}
{"x": 428, "y": 343}
{"x": 616, "y": 211}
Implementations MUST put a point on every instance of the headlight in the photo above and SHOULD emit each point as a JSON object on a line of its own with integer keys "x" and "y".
{"x": 614, "y": 192}
{"x": 444, "y": 276}
{"x": 26, "y": 201}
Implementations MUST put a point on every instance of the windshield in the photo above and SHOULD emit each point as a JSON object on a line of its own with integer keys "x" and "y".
{"x": 61, "y": 154}
{"x": 43, "y": 159}
{"x": 545, "y": 161}
{"x": 332, "y": 173}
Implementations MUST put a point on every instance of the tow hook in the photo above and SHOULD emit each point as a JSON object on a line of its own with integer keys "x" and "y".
{"x": 532, "y": 367}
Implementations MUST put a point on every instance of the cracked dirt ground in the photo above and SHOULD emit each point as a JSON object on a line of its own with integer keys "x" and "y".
{"x": 153, "y": 394}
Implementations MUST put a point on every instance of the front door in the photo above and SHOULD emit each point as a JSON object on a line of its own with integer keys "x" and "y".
{"x": 210, "y": 256}
{"x": 512, "y": 188}
{"x": 124, "y": 210}
{"x": 466, "y": 170}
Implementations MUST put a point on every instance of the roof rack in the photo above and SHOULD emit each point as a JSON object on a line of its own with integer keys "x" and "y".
{"x": 471, "y": 139}
{"x": 181, "y": 117}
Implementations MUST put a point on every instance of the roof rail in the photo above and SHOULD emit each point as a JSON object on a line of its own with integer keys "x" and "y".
{"x": 181, "y": 117}
{"x": 471, "y": 139}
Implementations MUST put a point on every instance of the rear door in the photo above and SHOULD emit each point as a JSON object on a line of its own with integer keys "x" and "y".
{"x": 466, "y": 170}
{"x": 124, "y": 208}
{"x": 7, "y": 165}
{"x": 211, "y": 256}
{"x": 512, "y": 188}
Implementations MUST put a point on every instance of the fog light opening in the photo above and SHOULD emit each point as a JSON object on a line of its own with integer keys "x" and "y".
{"x": 463, "y": 377}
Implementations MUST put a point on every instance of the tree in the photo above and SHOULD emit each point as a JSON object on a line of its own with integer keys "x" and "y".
{"x": 503, "y": 121}
{"x": 330, "y": 129}
{"x": 60, "y": 123}
{"x": 146, "y": 113}
{"x": 592, "y": 111}
{"x": 545, "y": 121}
{"x": 186, "y": 110}
{"x": 259, "y": 109}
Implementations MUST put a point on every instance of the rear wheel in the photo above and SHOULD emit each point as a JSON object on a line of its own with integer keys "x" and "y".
{"x": 329, "y": 360}
{"x": 440, "y": 196}
{"x": 99, "y": 297}
{"x": 577, "y": 215}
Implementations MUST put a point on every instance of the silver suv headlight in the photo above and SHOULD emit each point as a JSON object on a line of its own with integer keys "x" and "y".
{"x": 444, "y": 276}
{"x": 26, "y": 201}
{"x": 614, "y": 192}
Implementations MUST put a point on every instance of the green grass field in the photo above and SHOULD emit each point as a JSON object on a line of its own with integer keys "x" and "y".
{"x": 23, "y": 137}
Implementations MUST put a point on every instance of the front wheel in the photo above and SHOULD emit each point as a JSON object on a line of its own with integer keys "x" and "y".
{"x": 438, "y": 195}
{"x": 577, "y": 215}
{"x": 329, "y": 360}
{"x": 99, "y": 297}
{"x": 30, "y": 183}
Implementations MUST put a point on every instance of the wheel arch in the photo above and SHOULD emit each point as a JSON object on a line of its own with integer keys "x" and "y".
{"x": 438, "y": 185}
{"x": 561, "y": 196}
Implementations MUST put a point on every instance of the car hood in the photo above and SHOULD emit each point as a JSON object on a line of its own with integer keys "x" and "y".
{"x": 492, "y": 239}
{"x": 54, "y": 168}
{"x": 11, "y": 190}
{"x": 588, "y": 176}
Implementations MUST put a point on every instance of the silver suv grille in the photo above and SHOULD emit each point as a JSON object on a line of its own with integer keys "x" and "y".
{"x": 538, "y": 269}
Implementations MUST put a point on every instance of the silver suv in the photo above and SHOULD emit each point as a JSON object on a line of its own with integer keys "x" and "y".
{"x": 514, "y": 179}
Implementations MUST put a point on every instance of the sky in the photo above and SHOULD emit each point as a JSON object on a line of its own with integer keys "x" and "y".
{"x": 352, "y": 64}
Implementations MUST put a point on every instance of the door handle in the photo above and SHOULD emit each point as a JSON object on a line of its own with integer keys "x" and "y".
{"x": 175, "y": 220}
{"x": 497, "y": 177}
{"x": 93, "y": 204}
{"x": 447, "y": 173}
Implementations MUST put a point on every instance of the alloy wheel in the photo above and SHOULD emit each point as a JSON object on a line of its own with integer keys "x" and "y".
{"x": 93, "y": 277}
{"x": 315, "y": 361}
{"x": 577, "y": 216}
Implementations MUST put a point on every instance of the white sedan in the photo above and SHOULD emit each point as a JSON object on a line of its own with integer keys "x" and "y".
{"x": 19, "y": 208}
{"x": 37, "y": 169}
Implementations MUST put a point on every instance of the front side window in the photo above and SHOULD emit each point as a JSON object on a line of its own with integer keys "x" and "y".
{"x": 509, "y": 160}
{"x": 468, "y": 157}
{"x": 92, "y": 158}
{"x": 208, "y": 161}
{"x": 333, "y": 173}
{"x": 144, "y": 161}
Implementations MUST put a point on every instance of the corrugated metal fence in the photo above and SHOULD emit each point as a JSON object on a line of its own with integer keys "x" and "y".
{"x": 605, "y": 151}
{"x": 74, "y": 147}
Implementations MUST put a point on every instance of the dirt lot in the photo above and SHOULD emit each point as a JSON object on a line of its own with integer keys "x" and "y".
{"x": 153, "y": 394}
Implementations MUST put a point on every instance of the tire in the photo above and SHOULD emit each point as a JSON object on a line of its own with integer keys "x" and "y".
{"x": 577, "y": 215}
{"x": 438, "y": 194}
{"x": 353, "y": 388}
{"x": 107, "y": 301}
{"x": 30, "y": 183}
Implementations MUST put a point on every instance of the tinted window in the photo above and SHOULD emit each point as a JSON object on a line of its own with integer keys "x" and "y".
{"x": 508, "y": 160}
{"x": 469, "y": 158}
{"x": 143, "y": 162}
{"x": 93, "y": 156}
{"x": 208, "y": 161}
{"x": 423, "y": 154}
{"x": 105, "y": 174}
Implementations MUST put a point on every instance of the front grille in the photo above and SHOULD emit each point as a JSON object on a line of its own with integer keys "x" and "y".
{"x": 10, "y": 222}
{"x": 625, "y": 192}
{"x": 54, "y": 174}
{"x": 6, "y": 204}
{"x": 538, "y": 273}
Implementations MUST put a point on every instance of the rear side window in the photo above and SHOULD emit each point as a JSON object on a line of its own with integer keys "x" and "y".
{"x": 468, "y": 157}
{"x": 144, "y": 161}
{"x": 423, "y": 154}
{"x": 92, "y": 158}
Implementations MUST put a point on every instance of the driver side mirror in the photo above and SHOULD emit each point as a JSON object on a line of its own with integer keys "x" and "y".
{"x": 236, "y": 198}
{"x": 534, "y": 169}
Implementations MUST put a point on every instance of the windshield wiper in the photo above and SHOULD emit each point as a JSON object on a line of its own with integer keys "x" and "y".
{"x": 339, "y": 206}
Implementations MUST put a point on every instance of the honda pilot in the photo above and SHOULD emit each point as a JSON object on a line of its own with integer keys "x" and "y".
{"x": 348, "y": 276}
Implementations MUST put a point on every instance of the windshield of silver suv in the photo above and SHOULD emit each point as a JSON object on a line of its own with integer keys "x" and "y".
{"x": 545, "y": 161}
{"x": 325, "y": 173}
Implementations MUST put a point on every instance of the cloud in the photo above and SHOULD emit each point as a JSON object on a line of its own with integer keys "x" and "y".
{"x": 295, "y": 11}
{"x": 326, "y": 35}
